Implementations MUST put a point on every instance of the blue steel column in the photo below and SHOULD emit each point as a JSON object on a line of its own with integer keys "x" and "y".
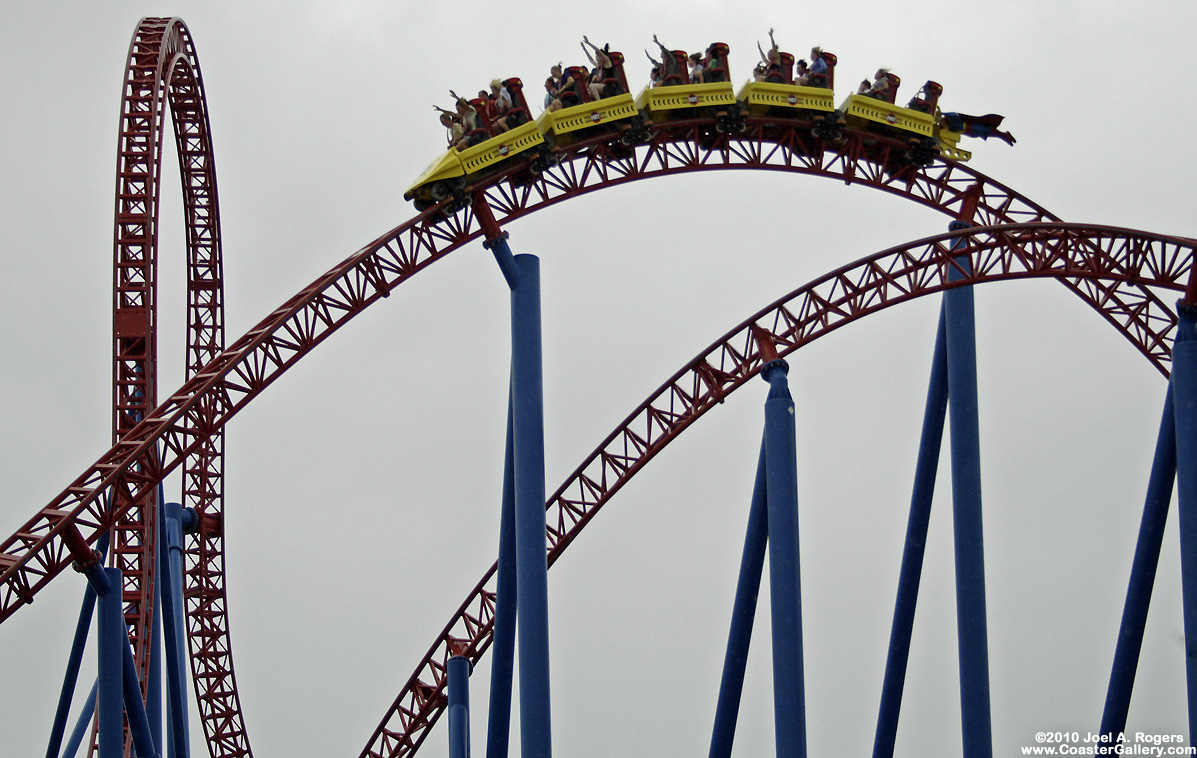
{"x": 74, "y": 660}
{"x": 498, "y": 726}
{"x": 135, "y": 714}
{"x": 72, "y": 673}
{"x": 1142, "y": 578}
{"x": 458, "y": 671}
{"x": 964, "y": 428}
{"x": 532, "y": 595}
{"x": 111, "y": 639}
{"x": 82, "y": 724}
{"x": 117, "y": 690}
{"x": 785, "y": 585}
{"x": 748, "y": 587}
{"x": 154, "y": 693}
{"x": 171, "y": 565}
{"x": 1184, "y": 399}
{"x": 912, "y": 555}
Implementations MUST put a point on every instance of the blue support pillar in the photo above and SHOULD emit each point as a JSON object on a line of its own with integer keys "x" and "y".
{"x": 1142, "y": 578}
{"x": 72, "y": 673}
{"x": 785, "y": 586}
{"x": 748, "y": 587}
{"x": 112, "y": 640}
{"x": 1184, "y": 400}
{"x": 74, "y": 660}
{"x": 498, "y": 727}
{"x": 117, "y": 693}
{"x": 139, "y": 725}
{"x": 458, "y": 670}
{"x": 82, "y": 723}
{"x": 170, "y": 537}
{"x": 522, "y": 273}
{"x": 911, "y": 571}
{"x": 964, "y": 428}
{"x": 154, "y": 693}
{"x": 532, "y": 595}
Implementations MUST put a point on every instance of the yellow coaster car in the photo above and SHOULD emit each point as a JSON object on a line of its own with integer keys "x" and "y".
{"x": 585, "y": 115}
{"x": 486, "y": 149}
{"x": 675, "y": 97}
{"x": 659, "y": 101}
{"x": 614, "y": 107}
{"x": 762, "y": 96}
{"x": 920, "y": 123}
{"x": 949, "y": 140}
{"x": 777, "y": 94}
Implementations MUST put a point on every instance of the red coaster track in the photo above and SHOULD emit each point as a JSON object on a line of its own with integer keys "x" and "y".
{"x": 1123, "y": 274}
{"x": 163, "y": 68}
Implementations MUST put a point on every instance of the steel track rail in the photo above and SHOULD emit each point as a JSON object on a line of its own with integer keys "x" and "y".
{"x": 163, "y": 68}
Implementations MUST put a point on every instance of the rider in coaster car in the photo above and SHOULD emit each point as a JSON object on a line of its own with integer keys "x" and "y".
{"x": 771, "y": 60}
{"x": 603, "y": 75}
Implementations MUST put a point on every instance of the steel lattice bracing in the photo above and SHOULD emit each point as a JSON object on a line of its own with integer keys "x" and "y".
{"x": 186, "y": 429}
{"x": 682, "y": 147}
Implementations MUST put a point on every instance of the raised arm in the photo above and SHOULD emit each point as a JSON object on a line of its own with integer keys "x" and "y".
{"x": 772, "y": 56}
{"x": 589, "y": 57}
{"x": 601, "y": 59}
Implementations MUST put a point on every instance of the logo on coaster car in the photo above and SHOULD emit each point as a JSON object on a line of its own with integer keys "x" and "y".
{"x": 891, "y": 118}
{"x": 792, "y": 99}
{"x": 596, "y": 117}
{"x": 693, "y": 99}
{"x": 503, "y": 150}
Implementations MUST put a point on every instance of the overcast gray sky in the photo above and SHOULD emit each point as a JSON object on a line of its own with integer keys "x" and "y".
{"x": 362, "y": 488}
